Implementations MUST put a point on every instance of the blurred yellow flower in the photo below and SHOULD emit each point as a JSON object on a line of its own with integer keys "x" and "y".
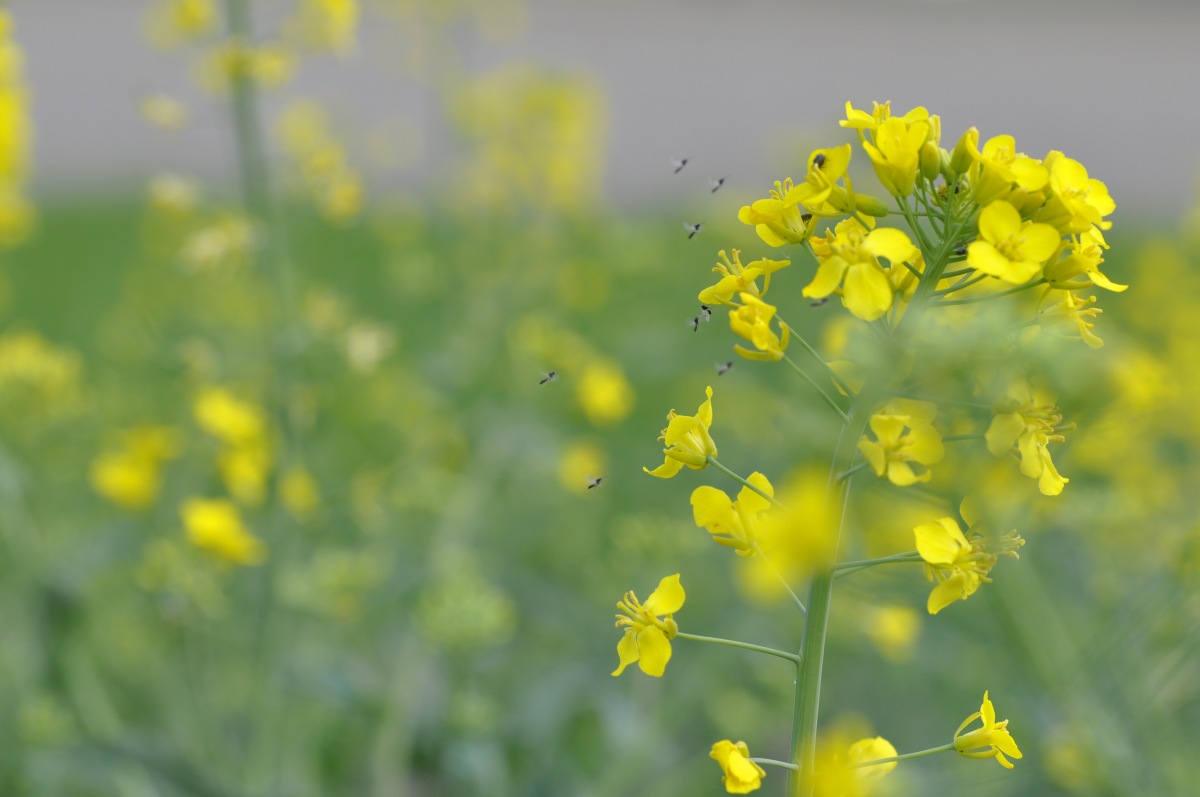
{"x": 742, "y": 775}
{"x": 581, "y": 461}
{"x": 991, "y": 740}
{"x": 130, "y": 474}
{"x": 298, "y": 492}
{"x": 893, "y": 630}
{"x": 604, "y": 393}
{"x": 173, "y": 194}
{"x": 1065, "y": 315}
{"x": 245, "y": 468}
{"x": 649, "y": 627}
{"x": 171, "y": 23}
{"x": 893, "y": 451}
{"x": 228, "y": 418}
{"x": 688, "y": 441}
{"x": 326, "y": 25}
{"x": 733, "y": 524}
{"x": 215, "y": 526}
{"x": 163, "y": 111}
{"x": 1029, "y": 420}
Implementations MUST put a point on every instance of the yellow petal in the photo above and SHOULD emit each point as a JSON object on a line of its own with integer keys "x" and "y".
{"x": 712, "y": 508}
{"x": 868, "y": 291}
{"x": 654, "y": 650}
{"x": 751, "y": 501}
{"x": 1003, "y": 432}
{"x": 891, "y": 243}
{"x": 946, "y": 593}
{"x": 627, "y": 650}
{"x": 666, "y": 470}
{"x": 940, "y": 542}
{"x": 667, "y": 598}
{"x": 999, "y": 221}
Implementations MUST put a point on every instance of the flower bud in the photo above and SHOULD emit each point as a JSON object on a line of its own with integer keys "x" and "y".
{"x": 964, "y": 152}
{"x": 870, "y": 206}
{"x": 931, "y": 160}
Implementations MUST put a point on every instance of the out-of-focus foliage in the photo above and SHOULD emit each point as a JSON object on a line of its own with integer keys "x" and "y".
{"x": 332, "y": 536}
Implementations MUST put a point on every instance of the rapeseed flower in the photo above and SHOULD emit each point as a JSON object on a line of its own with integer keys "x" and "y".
{"x": 1029, "y": 420}
{"x": 741, "y": 775}
{"x": 688, "y": 441}
{"x": 904, "y": 434}
{"x": 1066, "y": 315}
{"x": 781, "y": 219}
{"x": 1009, "y": 248}
{"x": 1077, "y": 202}
{"x": 991, "y": 740}
{"x": 849, "y": 258}
{"x": 1086, "y": 255}
{"x": 215, "y": 526}
{"x": 733, "y": 524}
{"x": 736, "y": 278}
{"x": 752, "y": 321}
{"x": 649, "y": 627}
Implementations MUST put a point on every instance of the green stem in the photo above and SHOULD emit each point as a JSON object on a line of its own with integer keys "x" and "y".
{"x": 820, "y": 391}
{"x": 845, "y": 568}
{"x": 771, "y": 762}
{"x": 944, "y": 748}
{"x": 954, "y": 438}
{"x": 795, "y": 598}
{"x": 733, "y": 643}
{"x": 990, "y": 296}
{"x": 848, "y": 472}
{"x": 804, "y": 344}
{"x": 913, "y": 224}
{"x": 713, "y": 461}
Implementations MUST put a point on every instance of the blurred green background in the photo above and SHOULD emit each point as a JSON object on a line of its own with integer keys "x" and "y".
{"x": 432, "y": 611}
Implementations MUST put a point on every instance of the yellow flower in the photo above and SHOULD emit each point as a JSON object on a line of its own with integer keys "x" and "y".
{"x": 1076, "y": 202}
{"x": 1029, "y": 420}
{"x": 851, "y": 256}
{"x": 872, "y": 749}
{"x": 1009, "y": 248}
{"x": 742, "y": 775}
{"x": 861, "y": 120}
{"x": 752, "y": 321}
{"x": 326, "y": 25}
{"x": 688, "y": 441}
{"x": 895, "y": 153}
{"x": 215, "y": 526}
{"x": 1000, "y": 166}
{"x": 604, "y": 393}
{"x": 649, "y": 627}
{"x": 1087, "y": 253}
{"x": 958, "y": 565}
{"x": 130, "y": 474}
{"x": 175, "y": 22}
{"x": 779, "y": 220}
{"x": 733, "y": 524}
{"x": 1064, "y": 314}
{"x": 736, "y": 278}
{"x": 893, "y": 451}
{"x": 298, "y": 492}
{"x": 893, "y": 630}
{"x": 226, "y": 417}
{"x": 992, "y": 740}
{"x": 164, "y": 111}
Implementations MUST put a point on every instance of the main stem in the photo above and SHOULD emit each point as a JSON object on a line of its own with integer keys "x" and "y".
{"x": 812, "y": 647}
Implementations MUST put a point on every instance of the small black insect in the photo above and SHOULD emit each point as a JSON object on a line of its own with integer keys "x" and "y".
{"x": 716, "y": 184}
{"x": 693, "y": 229}
{"x": 705, "y": 312}
{"x": 694, "y": 323}
{"x": 723, "y": 368}
{"x": 550, "y": 377}
{"x": 679, "y": 163}
{"x": 820, "y": 302}
{"x": 594, "y": 481}
{"x": 819, "y": 160}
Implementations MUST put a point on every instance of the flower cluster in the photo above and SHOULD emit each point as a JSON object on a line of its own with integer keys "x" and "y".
{"x": 975, "y": 223}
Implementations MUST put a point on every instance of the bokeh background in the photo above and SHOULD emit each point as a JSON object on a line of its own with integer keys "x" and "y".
{"x": 462, "y": 196}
